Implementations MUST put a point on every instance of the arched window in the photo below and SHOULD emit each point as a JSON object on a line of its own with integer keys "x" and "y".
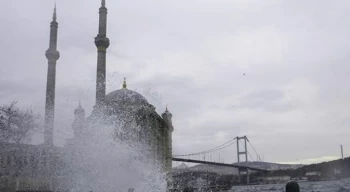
{"x": 32, "y": 160}
{"x": 2, "y": 161}
{"x": 8, "y": 160}
{"x": 25, "y": 160}
{"x": 43, "y": 158}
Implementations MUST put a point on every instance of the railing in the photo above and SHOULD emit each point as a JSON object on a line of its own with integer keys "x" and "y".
{"x": 129, "y": 190}
{"x": 33, "y": 191}
{"x": 204, "y": 188}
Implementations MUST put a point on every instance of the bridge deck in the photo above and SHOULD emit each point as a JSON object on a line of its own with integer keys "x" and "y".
{"x": 218, "y": 164}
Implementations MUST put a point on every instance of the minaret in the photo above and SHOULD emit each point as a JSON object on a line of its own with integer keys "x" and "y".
{"x": 52, "y": 56}
{"x": 102, "y": 43}
{"x": 168, "y": 153}
{"x": 79, "y": 120}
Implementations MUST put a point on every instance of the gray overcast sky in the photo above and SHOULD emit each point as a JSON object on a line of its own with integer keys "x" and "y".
{"x": 292, "y": 102}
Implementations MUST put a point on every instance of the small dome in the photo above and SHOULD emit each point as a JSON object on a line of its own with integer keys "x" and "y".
{"x": 126, "y": 97}
{"x": 166, "y": 113}
{"x": 79, "y": 109}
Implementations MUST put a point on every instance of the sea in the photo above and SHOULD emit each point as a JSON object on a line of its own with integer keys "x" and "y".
{"x": 321, "y": 186}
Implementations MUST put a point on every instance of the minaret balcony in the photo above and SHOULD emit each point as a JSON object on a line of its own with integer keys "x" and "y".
{"x": 52, "y": 54}
{"x": 101, "y": 41}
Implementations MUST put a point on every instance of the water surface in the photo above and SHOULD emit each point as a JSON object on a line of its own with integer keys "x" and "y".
{"x": 324, "y": 186}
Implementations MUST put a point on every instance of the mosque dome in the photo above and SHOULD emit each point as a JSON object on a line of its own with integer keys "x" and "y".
{"x": 125, "y": 96}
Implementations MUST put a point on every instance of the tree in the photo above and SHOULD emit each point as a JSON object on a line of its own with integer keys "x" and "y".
{"x": 16, "y": 125}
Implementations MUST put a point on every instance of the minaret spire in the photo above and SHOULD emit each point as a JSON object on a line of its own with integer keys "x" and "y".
{"x": 52, "y": 56}
{"x": 124, "y": 84}
{"x": 54, "y": 17}
{"x": 79, "y": 119}
{"x": 102, "y": 43}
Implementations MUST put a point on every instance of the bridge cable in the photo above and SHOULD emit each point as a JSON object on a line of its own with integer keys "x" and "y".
{"x": 205, "y": 152}
{"x": 210, "y": 150}
{"x": 253, "y": 148}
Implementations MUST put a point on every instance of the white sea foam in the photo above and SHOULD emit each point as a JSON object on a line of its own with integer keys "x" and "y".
{"x": 102, "y": 163}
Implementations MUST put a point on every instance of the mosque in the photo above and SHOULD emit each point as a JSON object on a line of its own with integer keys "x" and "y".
{"x": 136, "y": 118}
{"x": 119, "y": 106}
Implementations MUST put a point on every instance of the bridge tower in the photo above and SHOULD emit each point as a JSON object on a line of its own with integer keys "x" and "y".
{"x": 245, "y": 153}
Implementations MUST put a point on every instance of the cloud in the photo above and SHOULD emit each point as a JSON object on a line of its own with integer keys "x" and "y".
{"x": 292, "y": 101}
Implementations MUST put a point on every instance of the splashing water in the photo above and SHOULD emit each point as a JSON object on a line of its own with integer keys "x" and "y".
{"x": 101, "y": 163}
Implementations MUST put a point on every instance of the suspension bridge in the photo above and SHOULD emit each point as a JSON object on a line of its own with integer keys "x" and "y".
{"x": 240, "y": 142}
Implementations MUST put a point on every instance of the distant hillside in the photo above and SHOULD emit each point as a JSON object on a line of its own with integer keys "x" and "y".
{"x": 327, "y": 169}
{"x": 269, "y": 166}
{"x": 182, "y": 166}
{"x": 231, "y": 170}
